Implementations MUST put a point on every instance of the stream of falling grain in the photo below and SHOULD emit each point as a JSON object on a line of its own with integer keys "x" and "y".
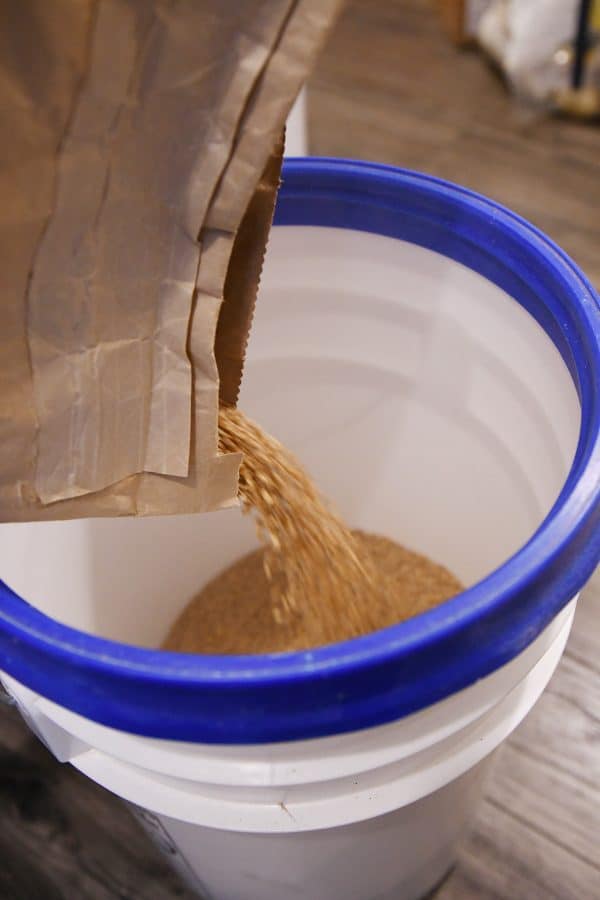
{"x": 311, "y": 559}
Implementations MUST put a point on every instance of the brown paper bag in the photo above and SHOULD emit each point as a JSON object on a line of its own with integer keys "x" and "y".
{"x": 134, "y": 138}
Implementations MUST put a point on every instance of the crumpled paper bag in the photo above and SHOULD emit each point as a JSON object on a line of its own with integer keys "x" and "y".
{"x": 139, "y": 165}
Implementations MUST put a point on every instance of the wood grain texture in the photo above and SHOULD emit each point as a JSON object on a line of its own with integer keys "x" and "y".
{"x": 62, "y": 837}
{"x": 389, "y": 88}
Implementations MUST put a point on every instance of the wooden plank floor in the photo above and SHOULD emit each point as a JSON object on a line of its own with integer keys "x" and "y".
{"x": 389, "y": 88}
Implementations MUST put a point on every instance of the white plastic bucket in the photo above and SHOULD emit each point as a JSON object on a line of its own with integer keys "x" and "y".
{"x": 434, "y": 362}
{"x": 296, "y": 129}
{"x": 371, "y": 814}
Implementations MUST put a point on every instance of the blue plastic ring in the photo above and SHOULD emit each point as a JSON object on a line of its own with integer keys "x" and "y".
{"x": 386, "y": 675}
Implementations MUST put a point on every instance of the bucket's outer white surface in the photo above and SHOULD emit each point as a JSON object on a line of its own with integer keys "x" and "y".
{"x": 398, "y": 856}
{"x": 385, "y": 832}
{"x": 304, "y": 785}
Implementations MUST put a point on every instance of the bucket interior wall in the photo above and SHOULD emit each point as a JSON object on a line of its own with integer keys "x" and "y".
{"x": 428, "y": 404}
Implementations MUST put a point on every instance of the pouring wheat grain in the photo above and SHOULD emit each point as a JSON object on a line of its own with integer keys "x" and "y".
{"x": 312, "y": 559}
{"x": 313, "y": 581}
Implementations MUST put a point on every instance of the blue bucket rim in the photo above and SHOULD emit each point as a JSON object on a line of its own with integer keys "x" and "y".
{"x": 386, "y": 675}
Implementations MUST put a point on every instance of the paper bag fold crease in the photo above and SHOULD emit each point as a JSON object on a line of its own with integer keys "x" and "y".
{"x": 139, "y": 174}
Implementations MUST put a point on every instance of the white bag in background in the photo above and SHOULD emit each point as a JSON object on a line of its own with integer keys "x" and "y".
{"x": 474, "y": 10}
{"x": 522, "y": 36}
